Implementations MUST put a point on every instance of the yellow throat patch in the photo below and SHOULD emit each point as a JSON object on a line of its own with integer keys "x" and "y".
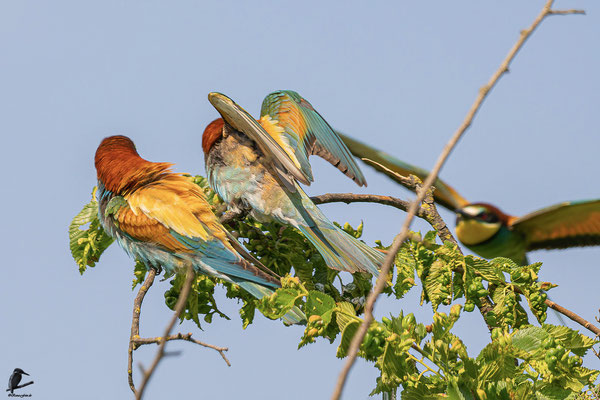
{"x": 471, "y": 232}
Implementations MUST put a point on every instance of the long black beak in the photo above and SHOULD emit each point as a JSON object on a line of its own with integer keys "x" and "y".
{"x": 25, "y": 373}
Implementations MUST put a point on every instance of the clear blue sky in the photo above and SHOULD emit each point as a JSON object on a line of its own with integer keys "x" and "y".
{"x": 401, "y": 75}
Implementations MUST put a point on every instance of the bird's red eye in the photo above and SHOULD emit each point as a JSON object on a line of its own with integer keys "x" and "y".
{"x": 487, "y": 217}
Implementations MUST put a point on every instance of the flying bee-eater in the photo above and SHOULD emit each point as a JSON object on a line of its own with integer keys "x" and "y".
{"x": 489, "y": 232}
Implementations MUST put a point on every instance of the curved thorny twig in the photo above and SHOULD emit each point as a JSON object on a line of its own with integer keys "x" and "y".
{"x": 395, "y": 247}
{"x": 135, "y": 341}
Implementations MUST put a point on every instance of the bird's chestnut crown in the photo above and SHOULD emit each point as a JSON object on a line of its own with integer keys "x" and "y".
{"x": 212, "y": 133}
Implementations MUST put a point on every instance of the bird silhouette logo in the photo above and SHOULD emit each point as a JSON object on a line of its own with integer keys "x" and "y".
{"x": 15, "y": 379}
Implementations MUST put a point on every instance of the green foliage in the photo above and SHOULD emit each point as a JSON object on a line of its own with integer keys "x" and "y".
{"x": 87, "y": 245}
{"x": 139, "y": 273}
{"x": 201, "y": 300}
{"x": 425, "y": 360}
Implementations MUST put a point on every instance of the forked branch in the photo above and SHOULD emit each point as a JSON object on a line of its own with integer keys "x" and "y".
{"x": 136, "y": 341}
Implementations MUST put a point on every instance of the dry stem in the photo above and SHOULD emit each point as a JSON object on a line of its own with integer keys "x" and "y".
{"x": 183, "y": 336}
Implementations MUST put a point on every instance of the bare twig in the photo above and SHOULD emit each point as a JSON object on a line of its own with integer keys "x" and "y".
{"x": 570, "y": 314}
{"x": 364, "y": 198}
{"x": 428, "y": 211}
{"x": 186, "y": 337}
{"x": 135, "y": 324}
{"x": 179, "y": 306}
{"x": 566, "y": 12}
{"x": 385, "y": 268}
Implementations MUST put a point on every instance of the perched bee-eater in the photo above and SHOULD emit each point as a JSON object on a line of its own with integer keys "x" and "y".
{"x": 256, "y": 165}
{"x": 162, "y": 219}
{"x": 489, "y": 232}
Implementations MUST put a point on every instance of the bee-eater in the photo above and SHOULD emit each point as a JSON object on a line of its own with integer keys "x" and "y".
{"x": 256, "y": 165}
{"x": 489, "y": 232}
{"x": 162, "y": 219}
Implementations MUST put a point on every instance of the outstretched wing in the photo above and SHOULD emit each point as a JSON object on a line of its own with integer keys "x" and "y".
{"x": 444, "y": 194}
{"x": 291, "y": 119}
{"x": 173, "y": 214}
{"x": 568, "y": 224}
{"x": 285, "y": 166}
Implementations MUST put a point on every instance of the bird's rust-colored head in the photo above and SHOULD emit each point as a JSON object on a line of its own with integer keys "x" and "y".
{"x": 121, "y": 169}
{"x": 212, "y": 133}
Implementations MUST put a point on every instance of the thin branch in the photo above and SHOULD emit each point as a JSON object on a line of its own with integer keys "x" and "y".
{"x": 428, "y": 212}
{"x": 181, "y": 336}
{"x": 364, "y": 198}
{"x": 183, "y": 295}
{"x": 385, "y": 268}
{"x": 135, "y": 324}
{"x": 570, "y": 314}
{"x": 566, "y": 12}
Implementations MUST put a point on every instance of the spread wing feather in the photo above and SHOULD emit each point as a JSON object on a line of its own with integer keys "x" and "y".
{"x": 568, "y": 224}
{"x": 306, "y": 133}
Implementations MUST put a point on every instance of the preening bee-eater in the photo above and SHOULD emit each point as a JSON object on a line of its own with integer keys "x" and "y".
{"x": 489, "y": 232}
{"x": 162, "y": 219}
{"x": 256, "y": 165}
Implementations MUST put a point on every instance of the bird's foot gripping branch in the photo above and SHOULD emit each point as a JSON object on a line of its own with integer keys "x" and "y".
{"x": 423, "y": 359}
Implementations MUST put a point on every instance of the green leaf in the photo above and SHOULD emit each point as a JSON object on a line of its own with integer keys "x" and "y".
{"x": 438, "y": 283}
{"x": 319, "y": 309}
{"x": 405, "y": 270}
{"x": 456, "y": 392}
{"x": 497, "y": 361}
{"x": 570, "y": 339}
{"x": 139, "y": 271}
{"x": 200, "y": 301}
{"x": 279, "y": 303}
{"x": 489, "y": 270}
{"x": 318, "y": 303}
{"x": 345, "y": 314}
{"x": 247, "y": 313}
{"x": 553, "y": 392}
{"x": 87, "y": 245}
{"x": 507, "y": 307}
{"x": 529, "y": 339}
{"x": 348, "y": 333}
